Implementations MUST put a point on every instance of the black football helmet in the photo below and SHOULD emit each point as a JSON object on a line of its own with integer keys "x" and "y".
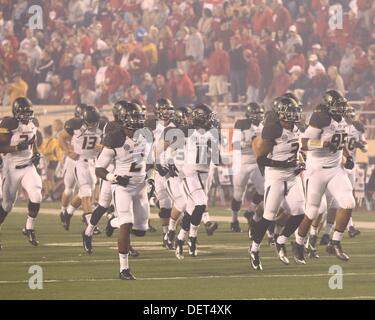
{"x": 22, "y": 110}
{"x": 203, "y": 117}
{"x": 141, "y": 104}
{"x": 131, "y": 116}
{"x": 288, "y": 110}
{"x": 117, "y": 107}
{"x": 335, "y": 102}
{"x": 164, "y": 109}
{"x": 90, "y": 117}
{"x": 349, "y": 113}
{"x": 182, "y": 116}
{"x": 294, "y": 97}
{"x": 254, "y": 112}
{"x": 78, "y": 110}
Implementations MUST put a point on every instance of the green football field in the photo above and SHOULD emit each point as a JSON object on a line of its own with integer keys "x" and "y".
{"x": 221, "y": 270}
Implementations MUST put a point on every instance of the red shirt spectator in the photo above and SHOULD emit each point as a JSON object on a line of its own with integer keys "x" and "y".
{"x": 296, "y": 60}
{"x": 69, "y": 94}
{"x": 262, "y": 18}
{"x": 138, "y": 61}
{"x": 184, "y": 85}
{"x": 218, "y": 62}
{"x": 253, "y": 76}
{"x": 116, "y": 77}
{"x": 281, "y": 19}
{"x": 87, "y": 45}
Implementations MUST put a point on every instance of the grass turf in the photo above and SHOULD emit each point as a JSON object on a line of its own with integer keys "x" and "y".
{"x": 221, "y": 270}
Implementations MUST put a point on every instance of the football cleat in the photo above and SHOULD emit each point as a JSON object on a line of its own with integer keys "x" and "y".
{"x": 165, "y": 241}
{"x": 298, "y": 253}
{"x": 334, "y": 248}
{"x": 211, "y": 227}
{"x": 151, "y": 228}
{"x": 249, "y": 216}
{"x": 171, "y": 239}
{"x": 192, "y": 244}
{"x": 62, "y": 216}
{"x": 109, "y": 229}
{"x": 281, "y": 253}
{"x": 179, "y": 245}
{"x": 30, "y": 234}
{"x": 353, "y": 232}
{"x": 235, "y": 226}
{"x": 311, "y": 247}
{"x": 133, "y": 252}
{"x": 255, "y": 262}
{"x": 87, "y": 243}
{"x": 97, "y": 231}
{"x": 67, "y": 218}
{"x": 271, "y": 240}
{"x": 126, "y": 275}
{"x": 324, "y": 240}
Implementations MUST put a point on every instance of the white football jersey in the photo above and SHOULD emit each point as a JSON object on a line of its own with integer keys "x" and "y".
{"x": 356, "y": 133}
{"x": 19, "y": 133}
{"x": 323, "y": 127}
{"x": 84, "y": 139}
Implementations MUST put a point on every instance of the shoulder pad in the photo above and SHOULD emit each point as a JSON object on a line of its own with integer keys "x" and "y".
{"x": 114, "y": 139}
{"x": 359, "y": 126}
{"x": 242, "y": 124}
{"x": 272, "y": 130}
{"x": 111, "y": 126}
{"x": 320, "y": 118}
{"x": 102, "y": 124}
{"x": 8, "y": 124}
{"x": 73, "y": 124}
{"x": 150, "y": 123}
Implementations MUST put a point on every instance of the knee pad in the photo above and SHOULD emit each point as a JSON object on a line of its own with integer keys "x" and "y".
{"x": 236, "y": 205}
{"x": 185, "y": 223}
{"x": 85, "y": 191}
{"x": 165, "y": 213}
{"x": 347, "y": 202}
{"x": 312, "y": 211}
{"x": 138, "y": 233}
{"x": 68, "y": 191}
{"x": 257, "y": 198}
{"x": 33, "y": 209}
{"x": 196, "y": 217}
{"x": 7, "y": 206}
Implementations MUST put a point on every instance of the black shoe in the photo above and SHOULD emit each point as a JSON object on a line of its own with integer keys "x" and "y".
{"x": 271, "y": 240}
{"x": 353, "y": 232}
{"x": 255, "y": 262}
{"x": 336, "y": 249}
{"x": 67, "y": 218}
{"x": 133, "y": 252}
{"x": 179, "y": 245}
{"x": 329, "y": 248}
{"x": 192, "y": 244}
{"x": 87, "y": 243}
{"x": 97, "y": 231}
{"x": 249, "y": 216}
{"x": 126, "y": 275}
{"x": 109, "y": 229}
{"x": 171, "y": 239}
{"x": 151, "y": 228}
{"x": 311, "y": 247}
{"x": 211, "y": 227}
{"x": 281, "y": 253}
{"x": 324, "y": 240}
{"x": 165, "y": 241}
{"x": 30, "y": 234}
{"x": 235, "y": 226}
{"x": 62, "y": 217}
{"x": 298, "y": 253}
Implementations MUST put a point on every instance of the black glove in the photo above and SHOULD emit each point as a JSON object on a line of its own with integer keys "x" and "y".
{"x": 349, "y": 163}
{"x": 163, "y": 171}
{"x": 123, "y": 180}
{"x": 35, "y": 159}
{"x": 150, "y": 188}
{"x": 24, "y": 145}
{"x": 359, "y": 145}
{"x": 173, "y": 171}
{"x": 301, "y": 166}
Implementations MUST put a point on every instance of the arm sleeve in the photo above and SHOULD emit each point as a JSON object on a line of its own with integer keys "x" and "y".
{"x": 105, "y": 158}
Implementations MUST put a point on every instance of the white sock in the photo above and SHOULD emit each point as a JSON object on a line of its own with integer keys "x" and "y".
{"x": 88, "y": 218}
{"x": 63, "y": 208}
{"x": 193, "y": 232}
{"x": 299, "y": 240}
{"x": 206, "y": 217}
{"x": 281, "y": 239}
{"x": 182, "y": 235}
{"x": 124, "y": 263}
{"x": 70, "y": 210}
{"x": 337, "y": 236}
{"x": 255, "y": 247}
{"x": 329, "y": 227}
{"x": 172, "y": 224}
{"x": 314, "y": 231}
{"x": 278, "y": 229}
{"x": 165, "y": 229}
{"x": 350, "y": 223}
{"x": 234, "y": 216}
{"x": 114, "y": 223}
{"x": 30, "y": 223}
{"x": 89, "y": 230}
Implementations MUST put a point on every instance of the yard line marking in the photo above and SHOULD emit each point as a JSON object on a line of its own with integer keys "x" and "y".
{"x": 350, "y": 274}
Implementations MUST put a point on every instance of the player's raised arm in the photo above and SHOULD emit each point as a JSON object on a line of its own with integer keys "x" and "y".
{"x": 65, "y": 138}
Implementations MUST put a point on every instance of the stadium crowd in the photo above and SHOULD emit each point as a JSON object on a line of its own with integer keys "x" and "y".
{"x": 96, "y": 51}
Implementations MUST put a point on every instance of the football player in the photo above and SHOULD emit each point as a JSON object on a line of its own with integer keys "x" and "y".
{"x": 69, "y": 180}
{"x": 129, "y": 150}
{"x": 245, "y": 130}
{"x": 202, "y": 148}
{"x": 325, "y": 143}
{"x": 278, "y": 152}
{"x": 80, "y": 141}
{"x": 18, "y": 144}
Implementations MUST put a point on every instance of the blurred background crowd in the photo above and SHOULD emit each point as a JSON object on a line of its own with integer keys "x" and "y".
{"x": 225, "y": 53}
